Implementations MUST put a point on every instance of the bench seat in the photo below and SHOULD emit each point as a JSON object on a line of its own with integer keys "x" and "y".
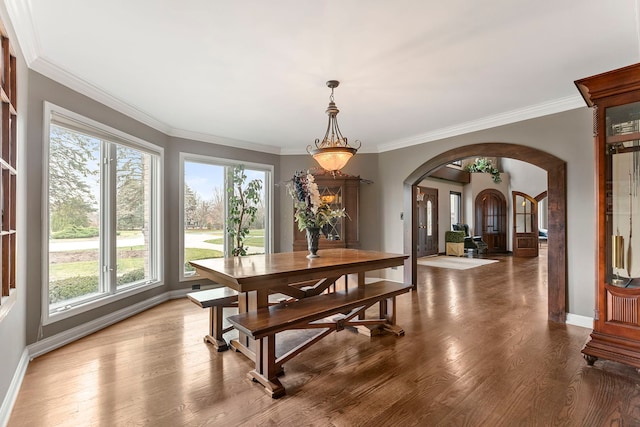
{"x": 216, "y": 299}
{"x": 290, "y": 315}
{"x": 325, "y": 312}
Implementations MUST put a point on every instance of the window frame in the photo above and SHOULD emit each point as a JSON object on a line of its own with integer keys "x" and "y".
{"x": 113, "y": 138}
{"x": 459, "y": 196}
{"x": 227, "y": 163}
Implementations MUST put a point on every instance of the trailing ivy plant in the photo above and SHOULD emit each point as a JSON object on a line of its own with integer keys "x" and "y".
{"x": 484, "y": 165}
{"x": 244, "y": 199}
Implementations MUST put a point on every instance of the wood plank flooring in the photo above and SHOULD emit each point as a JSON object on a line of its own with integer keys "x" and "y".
{"x": 478, "y": 351}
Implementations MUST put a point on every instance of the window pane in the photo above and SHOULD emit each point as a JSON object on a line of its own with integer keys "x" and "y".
{"x": 429, "y": 218}
{"x": 455, "y": 205}
{"x": 133, "y": 208}
{"x": 256, "y": 239}
{"x": 74, "y": 217}
{"x": 204, "y": 223}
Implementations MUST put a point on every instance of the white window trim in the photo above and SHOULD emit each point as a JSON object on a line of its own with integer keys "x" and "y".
{"x": 7, "y": 302}
{"x": 217, "y": 161}
{"x": 131, "y": 141}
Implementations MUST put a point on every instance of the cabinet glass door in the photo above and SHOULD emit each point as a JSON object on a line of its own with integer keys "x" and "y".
{"x": 332, "y": 196}
{"x": 622, "y": 187}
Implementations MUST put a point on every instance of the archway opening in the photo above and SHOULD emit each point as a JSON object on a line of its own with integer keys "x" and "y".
{"x": 557, "y": 203}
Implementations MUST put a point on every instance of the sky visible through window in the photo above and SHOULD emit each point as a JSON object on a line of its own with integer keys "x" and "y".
{"x": 202, "y": 178}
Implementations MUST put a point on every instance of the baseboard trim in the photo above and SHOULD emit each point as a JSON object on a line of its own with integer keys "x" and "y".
{"x": 56, "y": 341}
{"x": 51, "y": 343}
{"x": 14, "y": 388}
{"x": 577, "y": 320}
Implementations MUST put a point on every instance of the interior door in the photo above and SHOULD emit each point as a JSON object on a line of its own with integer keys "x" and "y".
{"x": 427, "y": 214}
{"x": 491, "y": 219}
{"x": 525, "y": 225}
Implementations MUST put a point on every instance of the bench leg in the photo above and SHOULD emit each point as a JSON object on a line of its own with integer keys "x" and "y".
{"x": 388, "y": 312}
{"x": 216, "y": 330}
{"x": 266, "y": 371}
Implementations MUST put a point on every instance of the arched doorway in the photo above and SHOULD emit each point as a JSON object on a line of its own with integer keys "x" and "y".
{"x": 557, "y": 202}
{"x": 491, "y": 219}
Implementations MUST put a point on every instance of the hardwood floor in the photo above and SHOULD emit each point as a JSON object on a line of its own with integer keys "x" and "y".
{"x": 478, "y": 351}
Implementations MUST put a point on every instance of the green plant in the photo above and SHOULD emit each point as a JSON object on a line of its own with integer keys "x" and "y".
{"x": 484, "y": 165}
{"x": 73, "y": 287}
{"x": 244, "y": 199}
{"x": 454, "y": 236}
{"x": 75, "y": 232}
{"x": 310, "y": 210}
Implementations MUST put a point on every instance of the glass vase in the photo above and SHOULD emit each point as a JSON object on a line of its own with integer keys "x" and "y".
{"x": 313, "y": 238}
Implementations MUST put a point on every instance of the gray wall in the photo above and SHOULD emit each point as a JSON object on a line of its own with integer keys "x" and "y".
{"x": 363, "y": 165}
{"x": 567, "y": 136}
{"x": 43, "y": 89}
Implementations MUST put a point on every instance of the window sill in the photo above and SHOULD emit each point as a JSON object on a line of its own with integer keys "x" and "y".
{"x": 7, "y": 303}
{"x": 49, "y": 318}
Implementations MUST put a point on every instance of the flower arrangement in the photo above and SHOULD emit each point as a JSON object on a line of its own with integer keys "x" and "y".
{"x": 310, "y": 210}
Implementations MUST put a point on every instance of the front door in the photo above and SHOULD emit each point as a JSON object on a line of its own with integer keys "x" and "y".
{"x": 427, "y": 214}
{"x": 491, "y": 219}
{"x": 525, "y": 225}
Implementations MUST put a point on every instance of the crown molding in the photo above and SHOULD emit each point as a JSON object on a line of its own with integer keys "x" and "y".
{"x": 531, "y": 112}
{"x": 20, "y": 17}
{"x": 230, "y": 142}
{"x": 56, "y": 73}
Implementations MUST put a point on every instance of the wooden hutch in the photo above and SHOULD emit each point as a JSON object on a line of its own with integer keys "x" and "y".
{"x": 340, "y": 191}
{"x": 615, "y": 98}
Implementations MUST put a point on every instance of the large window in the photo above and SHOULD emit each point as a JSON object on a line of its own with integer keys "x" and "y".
{"x": 206, "y": 187}
{"x": 103, "y": 199}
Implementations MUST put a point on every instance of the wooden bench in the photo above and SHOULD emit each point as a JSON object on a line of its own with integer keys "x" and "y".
{"x": 325, "y": 312}
{"x": 216, "y": 299}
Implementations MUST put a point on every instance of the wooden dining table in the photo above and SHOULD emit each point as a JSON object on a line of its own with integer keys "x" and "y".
{"x": 292, "y": 274}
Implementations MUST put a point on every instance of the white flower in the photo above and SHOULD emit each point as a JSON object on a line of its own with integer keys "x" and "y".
{"x": 314, "y": 194}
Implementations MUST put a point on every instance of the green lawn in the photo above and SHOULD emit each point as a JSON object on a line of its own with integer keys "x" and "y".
{"x": 90, "y": 268}
{"x": 191, "y": 254}
{"x": 255, "y": 238}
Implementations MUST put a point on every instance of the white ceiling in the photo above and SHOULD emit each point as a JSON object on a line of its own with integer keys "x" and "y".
{"x": 252, "y": 73}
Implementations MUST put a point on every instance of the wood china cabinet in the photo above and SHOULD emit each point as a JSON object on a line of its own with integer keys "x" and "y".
{"x": 8, "y": 163}
{"x": 615, "y": 98}
{"x": 340, "y": 191}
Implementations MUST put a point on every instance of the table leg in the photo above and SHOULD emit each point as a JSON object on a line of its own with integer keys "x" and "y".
{"x": 249, "y": 301}
{"x": 369, "y": 331}
{"x": 388, "y": 312}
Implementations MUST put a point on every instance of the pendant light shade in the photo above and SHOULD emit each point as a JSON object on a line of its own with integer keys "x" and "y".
{"x": 334, "y": 151}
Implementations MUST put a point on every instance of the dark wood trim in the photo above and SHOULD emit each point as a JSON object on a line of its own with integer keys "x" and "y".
{"x": 541, "y": 196}
{"x": 557, "y": 208}
{"x": 452, "y": 174}
{"x": 496, "y": 242}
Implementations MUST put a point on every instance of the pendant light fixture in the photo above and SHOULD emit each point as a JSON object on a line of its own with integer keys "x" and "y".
{"x": 333, "y": 152}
